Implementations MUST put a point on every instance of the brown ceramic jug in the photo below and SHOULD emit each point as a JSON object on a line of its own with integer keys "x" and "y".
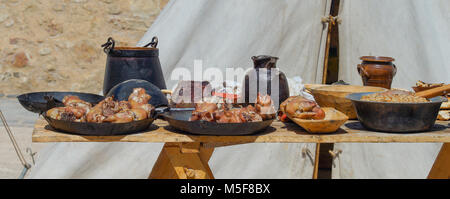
{"x": 262, "y": 62}
{"x": 377, "y": 71}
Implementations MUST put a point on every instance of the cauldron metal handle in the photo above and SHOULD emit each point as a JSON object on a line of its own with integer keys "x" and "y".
{"x": 153, "y": 43}
{"x": 109, "y": 45}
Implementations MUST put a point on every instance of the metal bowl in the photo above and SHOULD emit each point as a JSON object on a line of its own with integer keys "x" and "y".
{"x": 179, "y": 119}
{"x": 396, "y": 117}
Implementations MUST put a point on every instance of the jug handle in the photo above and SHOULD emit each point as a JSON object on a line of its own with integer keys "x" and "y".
{"x": 395, "y": 70}
{"x": 360, "y": 68}
{"x": 109, "y": 45}
{"x": 153, "y": 43}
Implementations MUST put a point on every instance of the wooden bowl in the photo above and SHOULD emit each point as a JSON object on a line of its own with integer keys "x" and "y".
{"x": 309, "y": 87}
{"x": 331, "y": 123}
{"x": 334, "y": 96}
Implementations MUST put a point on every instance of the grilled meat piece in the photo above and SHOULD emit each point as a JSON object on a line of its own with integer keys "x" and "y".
{"x": 139, "y": 100}
{"x": 302, "y": 108}
{"x": 112, "y": 111}
{"x": 204, "y": 111}
{"x": 229, "y": 116}
{"x": 264, "y": 106}
{"x": 138, "y": 97}
{"x": 75, "y": 101}
{"x": 249, "y": 114}
{"x": 74, "y": 114}
{"x": 108, "y": 110}
{"x": 127, "y": 116}
{"x": 110, "y": 107}
{"x": 96, "y": 113}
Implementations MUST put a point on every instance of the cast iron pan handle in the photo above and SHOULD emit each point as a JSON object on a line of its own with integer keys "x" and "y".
{"x": 109, "y": 45}
{"x": 51, "y": 103}
{"x": 153, "y": 43}
{"x": 159, "y": 112}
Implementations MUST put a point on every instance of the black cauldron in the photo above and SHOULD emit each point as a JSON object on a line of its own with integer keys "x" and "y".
{"x": 125, "y": 63}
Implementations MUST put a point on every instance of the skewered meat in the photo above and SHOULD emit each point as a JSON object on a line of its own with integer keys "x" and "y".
{"x": 302, "y": 108}
{"x": 108, "y": 110}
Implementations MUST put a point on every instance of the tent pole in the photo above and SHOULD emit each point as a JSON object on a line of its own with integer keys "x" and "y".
{"x": 316, "y": 161}
{"x": 330, "y": 20}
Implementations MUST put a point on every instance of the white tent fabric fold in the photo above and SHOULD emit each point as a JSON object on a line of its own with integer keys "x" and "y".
{"x": 222, "y": 34}
{"x": 225, "y": 34}
{"x": 387, "y": 161}
{"x": 414, "y": 32}
{"x": 95, "y": 160}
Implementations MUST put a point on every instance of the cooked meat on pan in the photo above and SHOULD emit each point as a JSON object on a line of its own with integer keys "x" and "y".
{"x": 108, "y": 110}
{"x": 225, "y": 113}
{"x": 394, "y": 96}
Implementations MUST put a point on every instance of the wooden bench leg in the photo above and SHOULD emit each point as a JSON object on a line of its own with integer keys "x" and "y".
{"x": 183, "y": 161}
{"x": 441, "y": 166}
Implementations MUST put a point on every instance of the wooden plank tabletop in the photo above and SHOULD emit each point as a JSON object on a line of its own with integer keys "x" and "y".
{"x": 279, "y": 132}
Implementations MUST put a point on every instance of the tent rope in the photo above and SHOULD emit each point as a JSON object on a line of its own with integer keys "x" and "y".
{"x": 16, "y": 147}
{"x": 334, "y": 155}
{"x": 307, "y": 152}
{"x": 331, "y": 21}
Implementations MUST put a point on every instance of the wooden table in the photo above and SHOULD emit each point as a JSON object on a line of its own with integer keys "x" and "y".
{"x": 187, "y": 156}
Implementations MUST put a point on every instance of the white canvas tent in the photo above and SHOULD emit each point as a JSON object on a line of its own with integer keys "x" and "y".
{"x": 227, "y": 33}
{"x": 414, "y": 32}
{"x": 222, "y": 34}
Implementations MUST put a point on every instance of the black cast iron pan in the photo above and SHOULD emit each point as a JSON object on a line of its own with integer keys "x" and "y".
{"x": 99, "y": 129}
{"x": 43, "y": 101}
{"x": 396, "y": 117}
{"x": 123, "y": 90}
{"x": 179, "y": 119}
{"x": 39, "y": 102}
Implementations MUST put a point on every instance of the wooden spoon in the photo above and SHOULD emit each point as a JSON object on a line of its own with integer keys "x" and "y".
{"x": 430, "y": 93}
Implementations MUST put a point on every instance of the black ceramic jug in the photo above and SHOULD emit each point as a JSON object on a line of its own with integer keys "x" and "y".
{"x": 258, "y": 75}
{"x": 125, "y": 63}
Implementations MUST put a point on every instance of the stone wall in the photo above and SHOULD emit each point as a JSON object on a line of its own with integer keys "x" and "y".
{"x": 55, "y": 45}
